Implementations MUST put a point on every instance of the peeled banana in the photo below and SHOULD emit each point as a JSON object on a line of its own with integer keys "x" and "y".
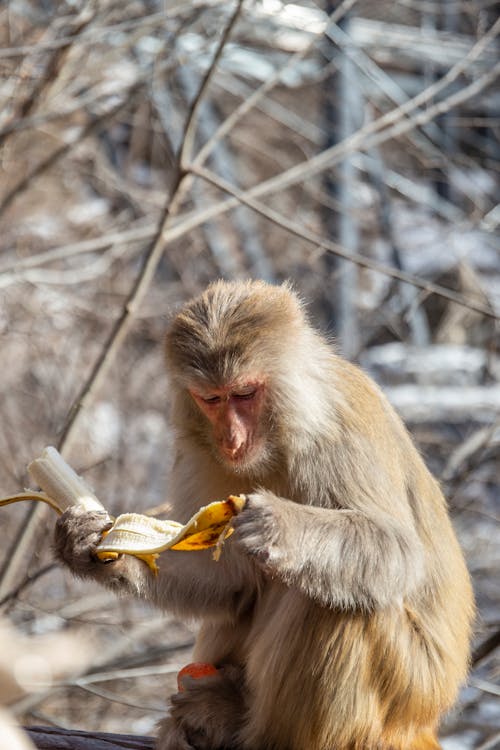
{"x": 132, "y": 533}
{"x": 146, "y": 537}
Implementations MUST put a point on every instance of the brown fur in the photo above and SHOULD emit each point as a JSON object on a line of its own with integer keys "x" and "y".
{"x": 342, "y": 600}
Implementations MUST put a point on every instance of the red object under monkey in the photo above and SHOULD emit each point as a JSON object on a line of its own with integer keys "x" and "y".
{"x": 195, "y": 671}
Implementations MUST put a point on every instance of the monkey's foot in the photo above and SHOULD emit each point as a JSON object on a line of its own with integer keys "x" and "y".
{"x": 210, "y": 709}
{"x": 171, "y": 736}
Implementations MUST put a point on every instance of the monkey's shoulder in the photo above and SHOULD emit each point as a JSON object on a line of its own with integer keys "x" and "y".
{"x": 362, "y": 397}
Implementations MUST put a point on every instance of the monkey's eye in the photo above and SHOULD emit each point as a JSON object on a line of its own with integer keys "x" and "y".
{"x": 245, "y": 393}
{"x": 210, "y": 399}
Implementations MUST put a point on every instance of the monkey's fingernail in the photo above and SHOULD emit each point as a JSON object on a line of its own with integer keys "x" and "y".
{"x": 108, "y": 557}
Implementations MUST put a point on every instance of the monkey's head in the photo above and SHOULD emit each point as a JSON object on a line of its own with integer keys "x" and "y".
{"x": 226, "y": 350}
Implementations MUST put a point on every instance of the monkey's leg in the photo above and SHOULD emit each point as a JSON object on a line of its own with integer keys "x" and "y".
{"x": 210, "y": 710}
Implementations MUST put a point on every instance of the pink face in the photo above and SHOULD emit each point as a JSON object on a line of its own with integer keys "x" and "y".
{"x": 235, "y": 412}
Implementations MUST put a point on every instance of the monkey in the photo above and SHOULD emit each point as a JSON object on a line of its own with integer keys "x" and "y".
{"x": 339, "y": 615}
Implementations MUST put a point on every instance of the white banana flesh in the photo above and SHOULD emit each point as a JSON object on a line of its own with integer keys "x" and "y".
{"x": 131, "y": 533}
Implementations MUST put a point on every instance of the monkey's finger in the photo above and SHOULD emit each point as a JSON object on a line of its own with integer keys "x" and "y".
{"x": 248, "y": 527}
{"x": 254, "y": 521}
{"x": 252, "y": 539}
{"x": 77, "y": 534}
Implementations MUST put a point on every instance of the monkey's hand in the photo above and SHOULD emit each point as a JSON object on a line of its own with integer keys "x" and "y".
{"x": 262, "y": 531}
{"x": 77, "y": 534}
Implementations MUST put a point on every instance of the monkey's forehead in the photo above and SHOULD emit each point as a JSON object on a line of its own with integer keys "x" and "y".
{"x": 233, "y": 330}
{"x": 225, "y": 353}
{"x": 218, "y": 367}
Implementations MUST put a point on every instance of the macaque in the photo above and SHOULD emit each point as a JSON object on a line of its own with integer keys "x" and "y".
{"x": 339, "y": 613}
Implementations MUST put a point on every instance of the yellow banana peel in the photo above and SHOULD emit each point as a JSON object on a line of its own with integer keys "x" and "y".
{"x": 146, "y": 537}
{"x": 131, "y": 533}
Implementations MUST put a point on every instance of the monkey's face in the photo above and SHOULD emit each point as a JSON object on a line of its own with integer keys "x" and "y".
{"x": 235, "y": 413}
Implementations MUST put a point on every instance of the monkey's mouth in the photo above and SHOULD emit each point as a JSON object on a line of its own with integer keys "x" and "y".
{"x": 252, "y": 458}
{"x": 238, "y": 458}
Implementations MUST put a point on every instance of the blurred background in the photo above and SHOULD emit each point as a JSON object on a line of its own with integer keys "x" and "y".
{"x": 147, "y": 148}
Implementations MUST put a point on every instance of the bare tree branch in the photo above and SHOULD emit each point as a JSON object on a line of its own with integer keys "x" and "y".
{"x": 360, "y": 140}
{"x": 21, "y": 547}
{"x": 186, "y": 151}
{"x": 335, "y": 249}
{"x": 15, "y": 268}
{"x": 92, "y": 126}
{"x": 249, "y": 103}
{"x": 93, "y": 35}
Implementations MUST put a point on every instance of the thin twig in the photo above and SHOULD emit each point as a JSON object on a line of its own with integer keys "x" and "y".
{"x": 485, "y": 686}
{"x": 94, "y": 35}
{"x": 144, "y": 232}
{"x": 25, "y": 106}
{"x": 486, "y": 648}
{"x": 110, "y": 695}
{"x": 186, "y": 150}
{"x": 34, "y": 122}
{"x": 491, "y": 743}
{"x": 358, "y": 141}
{"x": 111, "y": 675}
{"x": 249, "y": 103}
{"x": 21, "y": 546}
{"x": 27, "y": 582}
{"x": 92, "y": 126}
{"x": 338, "y": 250}
{"x": 391, "y": 124}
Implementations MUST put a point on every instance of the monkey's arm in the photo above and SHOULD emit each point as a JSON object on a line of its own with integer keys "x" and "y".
{"x": 188, "y": 582}
{"x": 342, "y": 558}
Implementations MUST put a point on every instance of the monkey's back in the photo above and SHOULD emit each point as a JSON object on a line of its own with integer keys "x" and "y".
{"x": 406, "y": 660}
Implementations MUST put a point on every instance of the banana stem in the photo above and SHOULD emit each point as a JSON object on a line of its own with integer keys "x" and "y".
{"x": 32, "y": 495}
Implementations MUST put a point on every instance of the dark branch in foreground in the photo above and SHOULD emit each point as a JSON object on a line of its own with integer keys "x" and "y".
{"x": 53, "y": 738}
